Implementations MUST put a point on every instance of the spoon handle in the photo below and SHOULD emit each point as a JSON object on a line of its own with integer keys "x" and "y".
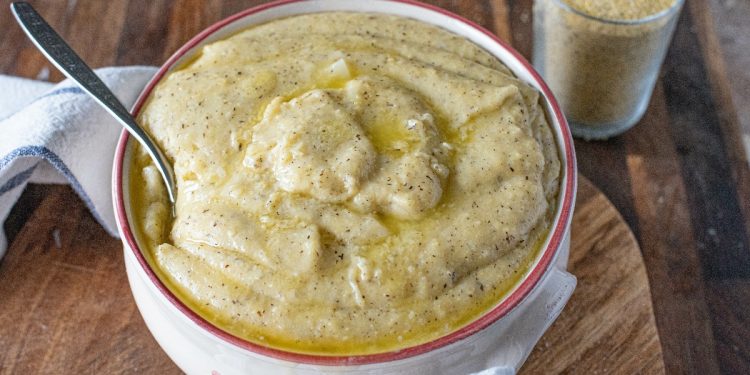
{"x": 69, "y": 63}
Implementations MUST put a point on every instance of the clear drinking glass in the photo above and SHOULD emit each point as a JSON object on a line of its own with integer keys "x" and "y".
{"x": 602, "y": 71}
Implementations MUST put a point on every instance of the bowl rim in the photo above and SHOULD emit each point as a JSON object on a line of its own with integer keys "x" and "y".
{"x": 507, "y": 304}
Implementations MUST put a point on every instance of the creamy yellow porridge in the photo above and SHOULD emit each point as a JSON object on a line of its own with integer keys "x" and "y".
{"x": 347, "y": 183}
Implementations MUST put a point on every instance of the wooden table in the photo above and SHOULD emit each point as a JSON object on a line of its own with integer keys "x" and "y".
{"x": 680, "y": 178}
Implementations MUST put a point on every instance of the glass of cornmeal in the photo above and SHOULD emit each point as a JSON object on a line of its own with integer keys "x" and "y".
{"x": 601, "y": 58}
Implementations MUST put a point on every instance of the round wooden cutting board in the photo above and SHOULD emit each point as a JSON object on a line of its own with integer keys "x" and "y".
{"x": 66, "y": 306}
{"x": 608, "y": 326}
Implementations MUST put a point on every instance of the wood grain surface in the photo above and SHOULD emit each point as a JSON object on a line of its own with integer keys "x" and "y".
{"x": 680, "y": 178}
{"x": 608, "y": 326}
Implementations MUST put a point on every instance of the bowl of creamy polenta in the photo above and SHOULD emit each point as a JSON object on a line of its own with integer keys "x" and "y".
{"x": 361, "y": 186}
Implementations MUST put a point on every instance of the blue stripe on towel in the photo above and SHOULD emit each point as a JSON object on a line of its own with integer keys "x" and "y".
{"x": 56, "y": 162}
{"x": 16, "y": 180}
{"x": 60, "y": 91}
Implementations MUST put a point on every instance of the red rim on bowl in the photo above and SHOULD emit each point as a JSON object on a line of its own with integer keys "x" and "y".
{"x": 504, "y": 307}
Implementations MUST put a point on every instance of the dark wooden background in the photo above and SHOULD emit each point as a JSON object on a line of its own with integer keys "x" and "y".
{"x": 680, "y": 177}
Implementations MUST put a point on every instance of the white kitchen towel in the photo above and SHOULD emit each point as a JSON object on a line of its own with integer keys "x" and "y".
{"x": 55, "y": 133}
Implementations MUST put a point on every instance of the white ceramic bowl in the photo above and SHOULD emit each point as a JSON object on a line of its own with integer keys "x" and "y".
{"x": 501, "y": 338}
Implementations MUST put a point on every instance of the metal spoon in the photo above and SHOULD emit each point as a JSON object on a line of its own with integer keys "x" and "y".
{"x": 69, "y": 63}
